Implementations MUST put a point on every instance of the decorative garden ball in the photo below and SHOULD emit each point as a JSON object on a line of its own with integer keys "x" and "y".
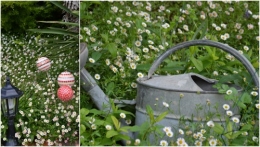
{"x": 65, "y": 93}
{"x": 43, "y": 64}
{"x": 66, "y": 78}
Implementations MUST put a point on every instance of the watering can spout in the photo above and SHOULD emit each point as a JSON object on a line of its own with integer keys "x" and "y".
{"x": 88, "y": 82}
{"x": 97, "y": 95}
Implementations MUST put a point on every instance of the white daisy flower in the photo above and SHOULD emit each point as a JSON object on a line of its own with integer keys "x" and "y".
{"x": 181, "y": 131}
{"x": 163, "y": 143}
{"x": 122, "y": 115}
{"x": 254, "y": 93}
{"x": 226, "y": 107}
{"x": 235, "y": 119}
{"x": 210, "y": 123}
{"x": 167, "y": 129}
{"x": 97, "y": 76}
{"x": 108, "y": 127}
{"x": 213, "y": 142}
{"x": 229, "y": 92}
{"x": 165, "y": 104}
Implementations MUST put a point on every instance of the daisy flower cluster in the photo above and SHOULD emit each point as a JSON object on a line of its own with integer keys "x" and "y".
{"x": 42, "y": 117}
{"x": 125, "y": 41}
{"x": 126, "y": 38}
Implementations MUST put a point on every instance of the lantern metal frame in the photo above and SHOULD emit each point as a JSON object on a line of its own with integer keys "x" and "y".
{"x": 10, "y": 97}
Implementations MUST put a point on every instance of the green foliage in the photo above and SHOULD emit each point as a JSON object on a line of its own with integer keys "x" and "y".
{"x": 120, "y": 31}
{"x": 20, "y": 16}
{"x": 126, "y": 38}
{"x": 40, "y": 110}
{"x": 103, "y": 128}
{"x": 43, "y": 117}
{"x": 70, "y": 31}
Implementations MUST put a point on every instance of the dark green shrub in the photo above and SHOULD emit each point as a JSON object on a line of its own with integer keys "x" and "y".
{"x": 19, "y": 16}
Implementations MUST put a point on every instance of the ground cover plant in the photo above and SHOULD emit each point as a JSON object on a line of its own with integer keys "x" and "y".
{"x": 124, "y": 38}
{"x": 43, "y": 118}
{"x": 15, "y": 21}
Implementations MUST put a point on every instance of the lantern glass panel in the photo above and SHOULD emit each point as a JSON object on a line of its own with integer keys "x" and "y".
{"x": 4, "y": 107}
{"x": 10, "y": 110}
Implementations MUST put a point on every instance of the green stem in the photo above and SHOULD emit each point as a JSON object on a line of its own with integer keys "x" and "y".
{"x": 180, "y": 106}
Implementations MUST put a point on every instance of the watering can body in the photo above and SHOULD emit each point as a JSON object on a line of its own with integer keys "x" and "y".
{"x": 189, "y": 96}
{"x": 183, "y": 93}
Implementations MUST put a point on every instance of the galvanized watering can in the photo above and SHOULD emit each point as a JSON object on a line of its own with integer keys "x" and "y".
{"x": 183, "y": 93}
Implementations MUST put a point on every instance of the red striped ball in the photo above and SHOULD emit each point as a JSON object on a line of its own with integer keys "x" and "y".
{"x": 43, "y": 64}
{"x": 66, "y": 78}
{"x": 65, "y": 93}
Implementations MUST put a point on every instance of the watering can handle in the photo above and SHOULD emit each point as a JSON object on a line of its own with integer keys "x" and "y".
{"x": 222, "y": 46}
{"x": 83, "y": 54}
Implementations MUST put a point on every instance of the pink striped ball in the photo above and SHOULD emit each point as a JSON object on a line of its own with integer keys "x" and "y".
{"x": 43, "y": 64}
{"x": 66, "y": 78}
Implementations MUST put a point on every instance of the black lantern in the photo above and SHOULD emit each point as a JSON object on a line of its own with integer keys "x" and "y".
{"x": 9, "y": 105}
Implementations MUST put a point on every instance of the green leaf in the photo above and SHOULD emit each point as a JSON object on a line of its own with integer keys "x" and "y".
{"x": 95, "y": 111}
{"x": 197, "y": 63}
{"x": 161, "y": 116}
{"x": 229, "y": 126}
{"x": 203, "y": 28}
{"x": 84, "y": 111}
{"x": 159, "y": 132}
{"x": 113, "y": 106}
{"x": 58, "y": 4}
{"x": 246, "y": 127}
{"x": 173, "y": 66}
{"x": 212, "y": 53}
{"x": 218, "y": 128}
{"x": 235, "y": 134}
{"x": 126, "y": 112}
{"x": 144, "y": 67}
{"x": 86, "y": 136}
{"x": 53, "y": 31}
{"x": 75, "y": 12}
{"x": 135, "y": 128}
{"x": 193, "y": 50}
{"x": 256, "y": 64}
{"x": 229, "y": 130}
{"x": 112, "y": 48}
{"x": 106, "y": 141}
{"x": 144, "y": 127}
{"x": 105, "y": 37}
{"x": 239, "y": 141}
{"x": 100, "y": 122}
{"x": 110, "y": 87}
{"x": 124, "y": 129}
{"x": 138, "y": 23}
{"x": 111, "y": 133}
{"x": 149, "y": 110}
{"x": 96, "y": 55}
{"x": 241, "y": 105}
{"x": 116, "y": 122}
{"x": 61, "y": 22}
{"x": 82, "y": 129}
{"x": 246, "y": 98}
{"x": 122, "y": 137}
